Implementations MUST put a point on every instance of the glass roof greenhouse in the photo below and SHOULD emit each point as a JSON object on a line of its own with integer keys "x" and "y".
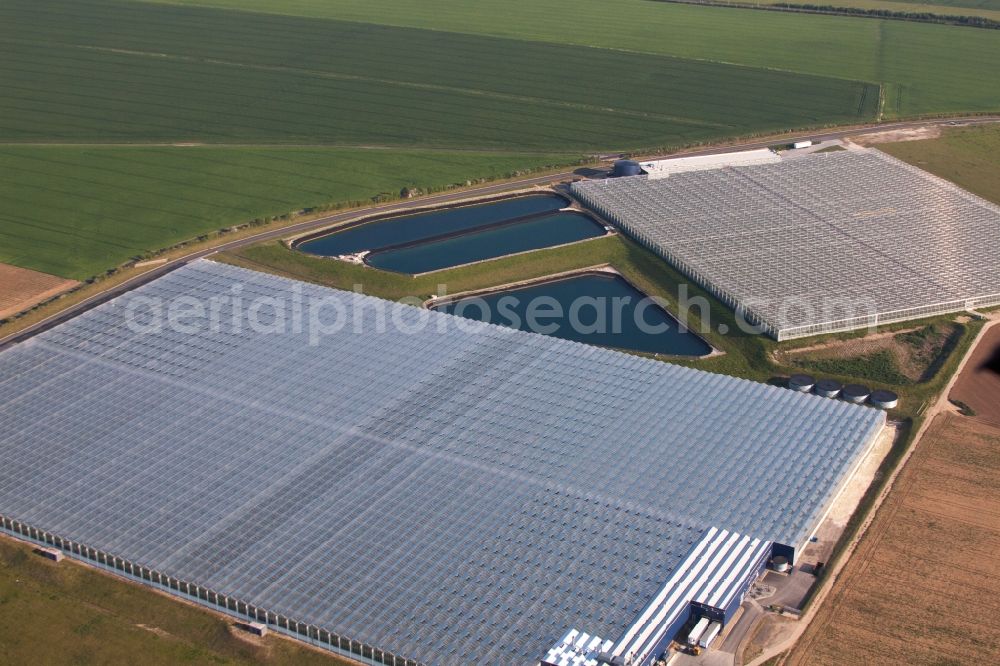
{"x": 818, "y": 243}
{"x": 441, "y": 494}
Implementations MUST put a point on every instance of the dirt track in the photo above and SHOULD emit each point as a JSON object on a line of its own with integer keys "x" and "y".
{"x": 893, "y": 136}
{"x": 21, "y": 288}
{"x": 979, "y": 385}
{"x": 923, "y": 586}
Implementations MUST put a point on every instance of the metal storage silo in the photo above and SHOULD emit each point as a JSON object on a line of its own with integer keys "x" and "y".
{"x": 883, "y": 399}
{"x": 828, "y": 388}
{"x": 801, "y": 383}
{"x": 855, "y": 393}
{"x": 626, "y": 168}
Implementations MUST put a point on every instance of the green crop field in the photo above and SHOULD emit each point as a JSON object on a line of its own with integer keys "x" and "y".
{"x": 74, "y": 211}
{"x": 521, "y": 79}
{"x": 120, "y": 71}
{"x": 966, "y": 156}
{"x": 928, "y": 68}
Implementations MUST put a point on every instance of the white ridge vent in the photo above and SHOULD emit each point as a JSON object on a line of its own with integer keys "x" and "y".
{"x": 664, "y": 168}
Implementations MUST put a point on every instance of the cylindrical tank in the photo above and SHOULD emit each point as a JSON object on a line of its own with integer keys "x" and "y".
{"x": 801, "y": 383}
{"x": 855, "y": 393}
{"x": 828, "y": 388}
{"x": 626, "y": 168}
{"x": 780, "y": 563}
{"x": 883, "y": 399}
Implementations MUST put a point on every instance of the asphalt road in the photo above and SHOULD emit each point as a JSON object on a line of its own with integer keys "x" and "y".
{"x": 848, "y": 132}
{"x": 436, "y": 199}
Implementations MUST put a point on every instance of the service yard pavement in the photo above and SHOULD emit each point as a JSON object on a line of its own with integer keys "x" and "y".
{"x": 924, "y": 583}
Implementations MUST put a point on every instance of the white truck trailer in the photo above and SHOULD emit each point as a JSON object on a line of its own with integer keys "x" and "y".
{"x": 709, "y": 635}
{"x": 698, "y": 630}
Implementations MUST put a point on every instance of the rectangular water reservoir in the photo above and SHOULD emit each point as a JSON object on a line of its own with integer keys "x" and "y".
{"x": 487, "y": 243}
{"x": 595, "y": 308}
{"x": 402, "y": 229}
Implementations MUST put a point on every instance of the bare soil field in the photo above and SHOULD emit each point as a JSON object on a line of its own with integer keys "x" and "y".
{"x": 21, "y": 288}
{"x": 979, "y": 385}
{"x": 923, "y": 586}
{"x": 895, "y": 136}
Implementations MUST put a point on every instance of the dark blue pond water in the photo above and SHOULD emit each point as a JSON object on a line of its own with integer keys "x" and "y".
{"x": 419, "y": 226}
{"x": 595, "y": 308}
{"x": 532, "y": 234}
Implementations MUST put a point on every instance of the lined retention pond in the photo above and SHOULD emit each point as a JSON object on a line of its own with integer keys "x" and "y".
{"x": 533, "y": 233}
{"x": 596, "y": 308}
{"x": 437, "y": 239}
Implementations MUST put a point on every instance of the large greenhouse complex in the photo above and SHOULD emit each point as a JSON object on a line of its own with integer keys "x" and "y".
{"x": 421, "y": 494}
{"x": 820, "y": 243}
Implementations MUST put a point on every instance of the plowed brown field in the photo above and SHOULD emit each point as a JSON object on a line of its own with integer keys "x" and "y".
{"x": 20, "y": 288}
{"x": 923, "y": 586}
{"x": 979, "y": 384}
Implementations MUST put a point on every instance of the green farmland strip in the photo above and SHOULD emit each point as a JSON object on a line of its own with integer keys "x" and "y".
{"x": 919, "y": 59}
{"x": 76, "y": 211}
{"x": 521, "y": 79}
{"x": 941, "y": 68}
{"x": 105, "y": 70}
{"x": 830, "y": 46}
{"x": 422, "y": 59}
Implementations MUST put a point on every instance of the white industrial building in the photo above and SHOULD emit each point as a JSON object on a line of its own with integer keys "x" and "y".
{"x": 668, "y": 167}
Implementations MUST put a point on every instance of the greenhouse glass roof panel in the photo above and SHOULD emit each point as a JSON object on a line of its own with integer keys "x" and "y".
{"x": 455, "y": 493}
{"x": 801, "y": 242}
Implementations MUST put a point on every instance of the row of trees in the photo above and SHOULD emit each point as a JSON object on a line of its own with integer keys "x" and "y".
{"x": 924, "y": 17}
{"x": 928, "y": 17}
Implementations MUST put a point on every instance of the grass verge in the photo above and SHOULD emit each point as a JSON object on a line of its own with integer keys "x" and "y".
{"x": 967, "y": 156}
{"x": 67, "y": 613}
